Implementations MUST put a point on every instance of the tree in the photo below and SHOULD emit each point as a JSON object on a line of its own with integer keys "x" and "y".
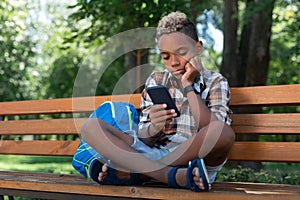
{"x": 104, "y": 19}
{"x": 230, "y": 61}
{"x": 285, "y": 49}
{"x": 247, "y": 64}
{"x": 17, "y": 52}
{"x": 247, "y": 58}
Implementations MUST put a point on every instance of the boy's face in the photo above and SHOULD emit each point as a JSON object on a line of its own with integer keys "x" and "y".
{"x": 176, "y": 50}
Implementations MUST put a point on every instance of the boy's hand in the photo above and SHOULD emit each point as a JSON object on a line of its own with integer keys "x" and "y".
{"x": 192, "y": 67}
{"x": 159, "y": 116}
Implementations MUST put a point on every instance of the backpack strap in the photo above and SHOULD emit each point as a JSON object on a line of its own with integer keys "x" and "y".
{"x": 113, "y": 111}
{"x": 129, "y": 117}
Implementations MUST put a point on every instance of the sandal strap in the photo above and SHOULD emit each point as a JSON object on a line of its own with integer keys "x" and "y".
{"x": 190, "y": 182}
{"x": 172, "y": 177}
{"x": 95, "y": 168}
{"x": 203, "y": 174}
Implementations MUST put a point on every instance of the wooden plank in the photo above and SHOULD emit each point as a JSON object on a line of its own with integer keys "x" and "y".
{"x": 242, "y": 124}
{"x": 42, "y": 127}
{"x": 266, "y": 151}
{"x": 247, "y": 151}
{"x": 260, "y": 95}
{"x": 30, "y": 194}
{"x": 39, "y": 147}
{"x": 75, "y": 184}
{"x": 64, "y": 105}
{"x": 266, "y": 123}
{"x": 266, "y": 95}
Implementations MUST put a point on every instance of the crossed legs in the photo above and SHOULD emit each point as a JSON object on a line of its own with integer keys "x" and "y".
{"x": 212, "y": 143}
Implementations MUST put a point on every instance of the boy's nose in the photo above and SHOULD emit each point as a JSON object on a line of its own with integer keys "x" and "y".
{"x": 174, "y": 60}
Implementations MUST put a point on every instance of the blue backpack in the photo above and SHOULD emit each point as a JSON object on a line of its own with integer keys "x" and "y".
{"x": 121, "y": 115}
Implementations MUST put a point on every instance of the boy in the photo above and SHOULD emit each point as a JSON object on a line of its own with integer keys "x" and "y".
{"x": 177, "y": 147}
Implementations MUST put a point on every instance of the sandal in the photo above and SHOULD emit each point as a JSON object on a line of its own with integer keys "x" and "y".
{"x": 95, "y": 168}
{"x": 189, "y": 176}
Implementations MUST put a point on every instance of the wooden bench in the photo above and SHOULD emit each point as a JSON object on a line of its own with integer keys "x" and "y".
{"x": 61, "y": 186}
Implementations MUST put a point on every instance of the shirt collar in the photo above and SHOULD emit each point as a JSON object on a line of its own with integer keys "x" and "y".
{"x": 199, "y": 84}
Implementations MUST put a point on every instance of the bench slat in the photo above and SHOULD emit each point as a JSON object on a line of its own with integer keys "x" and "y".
{"x": 66, "y": 126}
{"x": 266, "y": 123}
{"x": 64, "y": 105}
{"x": 266, "y": 151}
{"x": 266, "y": 95}
{"x": 39, "y": 147}
{"x": 259, "y": 95}
{"x": 75, "y": 184}
{"x": 247, "y": 151}
{"x": 242, "y": 124}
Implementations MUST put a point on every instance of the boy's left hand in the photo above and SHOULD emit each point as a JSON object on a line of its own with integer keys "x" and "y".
{"x": 192, "y": 67}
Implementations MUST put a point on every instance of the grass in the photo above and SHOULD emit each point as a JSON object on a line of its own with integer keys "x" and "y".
{"x": 57, "y": 164}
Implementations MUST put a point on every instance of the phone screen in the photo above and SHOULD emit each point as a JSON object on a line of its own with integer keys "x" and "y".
{"x": 160, "y": 95}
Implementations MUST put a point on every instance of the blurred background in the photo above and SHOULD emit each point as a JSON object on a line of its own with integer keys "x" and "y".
{"x": 43, "y": 43}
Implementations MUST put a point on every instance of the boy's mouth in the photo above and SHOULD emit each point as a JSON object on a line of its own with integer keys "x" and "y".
{"x": 179, "y": 71}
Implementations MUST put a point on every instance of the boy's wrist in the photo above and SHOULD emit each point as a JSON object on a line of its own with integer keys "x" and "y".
{"x": 153, "y": 131}
{"x": 186, "y": 84}
{"x": 188, "y": 89}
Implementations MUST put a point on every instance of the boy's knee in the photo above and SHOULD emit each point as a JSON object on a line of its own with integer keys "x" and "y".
{"x": 229, "y": 135}
{"x": 225, "y": 134}
{"x": 223, "y": 145}
{"x": 224, "y": 137}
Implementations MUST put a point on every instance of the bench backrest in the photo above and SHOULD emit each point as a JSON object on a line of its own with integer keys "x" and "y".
{"x": 62, "y": 119}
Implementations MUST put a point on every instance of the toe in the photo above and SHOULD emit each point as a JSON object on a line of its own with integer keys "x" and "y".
{"x": 197, "y": 178}
{"x": 105, "y": 168}
{"x": 103, "y": 173}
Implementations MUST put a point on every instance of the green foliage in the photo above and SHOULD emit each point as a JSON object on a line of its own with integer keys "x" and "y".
{"x": 62, "y": 76}
{"x": 60, "y": 61}
{"x": 17, "y": 51}
{"x": 100, "y": 20}
{"x": 240, "y": 174}
{"x": 40, "y": 58}
{"x": 285, "y": 50}
{"x": 106, "y": 18}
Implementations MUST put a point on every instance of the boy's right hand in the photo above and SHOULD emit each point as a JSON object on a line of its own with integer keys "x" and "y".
{"x": 159, "y": 116}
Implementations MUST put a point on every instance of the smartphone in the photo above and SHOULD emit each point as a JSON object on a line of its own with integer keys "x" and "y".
{"x": 160, "y": 95}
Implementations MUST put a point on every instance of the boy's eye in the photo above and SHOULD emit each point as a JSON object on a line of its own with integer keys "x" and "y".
{"x": 182, "y": 53}
{"x": 165, "y": 56}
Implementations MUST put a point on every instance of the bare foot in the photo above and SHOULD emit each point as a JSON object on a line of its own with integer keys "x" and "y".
{"x": 119, "y": 174}
{"x": 181, "y": 177}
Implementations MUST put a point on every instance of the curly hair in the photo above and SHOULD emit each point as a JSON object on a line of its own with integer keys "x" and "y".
{"x": 176, "y": 22}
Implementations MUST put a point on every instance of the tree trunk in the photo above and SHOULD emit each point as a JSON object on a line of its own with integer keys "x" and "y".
{"x": 259, "y": 44}
{"x": 135, "y": 63}
{"x": 229, "y": 62}
{"x": 244, "y": 44}
{"x": 248, "y": 65}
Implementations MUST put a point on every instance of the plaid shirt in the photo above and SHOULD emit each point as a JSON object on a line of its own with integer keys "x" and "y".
{"x": 212, "y": 87}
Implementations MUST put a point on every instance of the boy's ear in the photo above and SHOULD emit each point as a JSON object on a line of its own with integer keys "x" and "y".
{"x": 199, "y": 46}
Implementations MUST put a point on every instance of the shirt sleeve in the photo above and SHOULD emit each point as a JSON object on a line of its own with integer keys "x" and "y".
{"x": 146, "y": 102}
{"x": 145, "y": 106}
{"x": 218, "y": 99}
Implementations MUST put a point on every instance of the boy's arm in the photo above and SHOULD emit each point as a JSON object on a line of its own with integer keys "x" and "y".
{"x": 217, "y": 107}
{"x": 201, "y": 113}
